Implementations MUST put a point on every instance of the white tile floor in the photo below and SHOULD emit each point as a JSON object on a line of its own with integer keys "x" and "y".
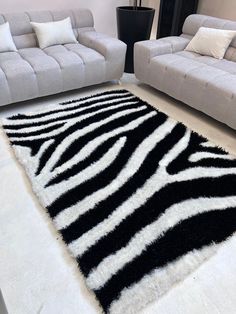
{"x": 37, "y": 275}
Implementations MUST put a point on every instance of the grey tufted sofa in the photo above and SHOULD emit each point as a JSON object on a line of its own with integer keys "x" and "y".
{"x": 202, "y": 82}
{"x": 32, "y": 72}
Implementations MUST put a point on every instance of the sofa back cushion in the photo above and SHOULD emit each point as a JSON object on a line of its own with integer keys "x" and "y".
{"x": 6, "y": 41}
{"x": 22, "y": 31}
{"x": 195, "y": 21}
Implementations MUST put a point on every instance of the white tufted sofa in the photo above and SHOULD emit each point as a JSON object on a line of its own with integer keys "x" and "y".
{"x": 32, "y": 72}
{"x": 202, "y": 82}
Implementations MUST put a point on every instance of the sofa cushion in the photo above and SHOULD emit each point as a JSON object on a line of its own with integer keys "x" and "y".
{"x": 22, "y": 31}
{"x": 197, "y": 57}
{"x": 211, "y": 42}
{"x": 169, "y": 71}
{"x": 6, "y": 40}
{"x": 20, "y": 76}
{"x": 208, "y": 88}
{"x": 78, "y": 63}
{"x": 91, "y": 60}
{"x": 47, "y": 70}
{"x": 33, "y": 72}
{"x": 225, "y": 65}
{"x": 72, "y": 67}
{"x": 195, "y": 21}
{"x": 54, "y": 33}
{"x": 231, "y": 54}
{"x": 172, "y": 68}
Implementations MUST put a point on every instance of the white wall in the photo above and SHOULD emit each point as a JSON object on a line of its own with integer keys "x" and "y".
{"x": 219, "y": 8}
{"x": 104, "y": 11}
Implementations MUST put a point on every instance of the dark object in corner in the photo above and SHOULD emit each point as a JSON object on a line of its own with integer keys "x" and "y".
{"x": 133, "y": 24}
{"x": 172, "y": 15}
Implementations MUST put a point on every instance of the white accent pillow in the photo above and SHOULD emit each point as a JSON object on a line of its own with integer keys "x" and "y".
{"x": 54, "y": 33}
{"x": 211, "y": 42}
{"x": 6, "y": 40}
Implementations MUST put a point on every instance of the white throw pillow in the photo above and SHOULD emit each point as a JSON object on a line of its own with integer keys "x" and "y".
{"x": 6, "y": 40}
{"x": 211, "y": 42}
{"x": 54, "y": 33}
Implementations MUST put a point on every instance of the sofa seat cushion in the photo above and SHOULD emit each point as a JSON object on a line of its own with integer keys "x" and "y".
{"x": 92, "y": 60}
{"x": 197, "y": 57}
{"x": 202, "y": 85}
{"x": 225, "y": 65}
{"x": 86, "y": 54}
{"x": 71, "y": 65}
{"x": 173, "y": 68}
{"x": 33, "y": 72}
{"x": 169, "y": 72}
{"x": 77, "y": 68}
{"x": 19, "y": 77}
{"x": 47, "y": 70}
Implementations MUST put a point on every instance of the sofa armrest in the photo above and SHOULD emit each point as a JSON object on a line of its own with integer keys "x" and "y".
{"x": 149, "y": 49}
{"x": 111, "y": 48}
{"x": 144, "y": 51}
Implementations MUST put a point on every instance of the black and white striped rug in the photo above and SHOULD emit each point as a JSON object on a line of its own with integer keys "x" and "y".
{"x": 140, "y": 200}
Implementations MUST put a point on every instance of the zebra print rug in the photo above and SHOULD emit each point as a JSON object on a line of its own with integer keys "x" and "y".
{"x": 140, "y": 200}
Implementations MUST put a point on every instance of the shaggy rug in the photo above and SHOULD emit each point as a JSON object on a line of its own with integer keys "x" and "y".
{"x": 140, "y": 200}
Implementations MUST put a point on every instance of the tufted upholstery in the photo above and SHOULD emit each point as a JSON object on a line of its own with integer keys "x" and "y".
{"x": 32, "y": 72}
{"x": 195, "y": 21}
{"x": 202, "y": 82}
